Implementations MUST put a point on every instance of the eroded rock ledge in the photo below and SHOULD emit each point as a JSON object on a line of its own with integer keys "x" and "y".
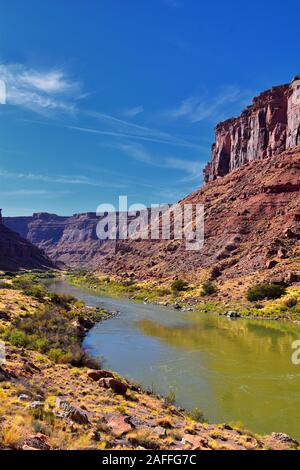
{"x": 266, "y": 128}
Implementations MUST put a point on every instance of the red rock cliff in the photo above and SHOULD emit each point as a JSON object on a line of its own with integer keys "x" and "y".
{"x": 266, "y": 128}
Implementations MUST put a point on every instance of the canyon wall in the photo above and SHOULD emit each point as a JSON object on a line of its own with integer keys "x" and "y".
{"x": 266, "y": 128}
{"x": 17, "y": 253}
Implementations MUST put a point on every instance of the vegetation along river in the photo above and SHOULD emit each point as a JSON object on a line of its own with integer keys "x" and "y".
{"x": 237, "y": 371}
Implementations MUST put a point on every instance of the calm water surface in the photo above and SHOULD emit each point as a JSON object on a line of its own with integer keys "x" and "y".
{"x": 233, "y": 370}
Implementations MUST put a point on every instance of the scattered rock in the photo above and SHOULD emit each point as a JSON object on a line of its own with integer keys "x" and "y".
{"x": 24, "y": 397}
{"x": 197, "y": 442}
{"x": 270, "y": 264}
{"x": 279, "y": 436}
{"x": 288, "y": 233}
{"x": 4, "y": 315}
{"x": 78, "y": 415}
{"x": 292, "y": 277}
{"x": 99, "y": 374}
{"x": 26, "y": 447}
{"x": 120, "y": 425}
{"x": 116, "y": 385}
{"x": 36, "y": 442}
{"x": 233, "y": 314}
{"x": 282, "y": 253}
{"x": 160, "y": 431}
{"x": 36, "y": 404}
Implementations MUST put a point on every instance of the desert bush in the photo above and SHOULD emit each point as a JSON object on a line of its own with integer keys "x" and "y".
{"x": 208, "y": 288}
{"x": 51, "y": 332}
{"x": 170, "y": 398}
{"x": 197, "y": 415}
{"x": 291, "y": 302}
{"x": 265, "y": 292}
{"x": 144, "y": 438}
{"x": 179, "y": 285}
{"x": 64, "y": 301}
{"x": 17, "y": 338}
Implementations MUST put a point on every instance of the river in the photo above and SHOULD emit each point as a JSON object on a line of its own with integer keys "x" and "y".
{"x": 237, "y": 371}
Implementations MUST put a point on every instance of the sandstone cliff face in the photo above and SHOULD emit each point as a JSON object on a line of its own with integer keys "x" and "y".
{"x": 72, "y": 241}
{"x": 17, "y": 253}
{"x": 266, "y": 128}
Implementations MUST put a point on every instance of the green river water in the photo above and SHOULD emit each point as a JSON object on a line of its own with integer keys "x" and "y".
{"x": 236, "y": 371}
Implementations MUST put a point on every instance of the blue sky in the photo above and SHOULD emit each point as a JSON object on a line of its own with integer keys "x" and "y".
{"x": 114, "y": 97}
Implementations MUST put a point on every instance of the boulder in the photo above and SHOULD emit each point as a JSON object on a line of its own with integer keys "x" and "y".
{"x": 78, "y": 415}
{"x": 115, "y": 385}
{"x": 233, "y": 314}
{"x": 292, "y": 277}
{"x": 270, "y": 264}
{"x": 99, "y": 374}
{"x": 120, "y": 425}
{"x": 160, "y": 431}
{"x": 36, "y": 442}
{"x": 197, "y": 442}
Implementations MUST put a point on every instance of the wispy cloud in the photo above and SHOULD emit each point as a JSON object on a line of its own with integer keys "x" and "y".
{"x": 39, "y": 91}
{"x": 191, "y": 169}
{"x": 52, "y": 92}
{"x": 58, "y": 179}
{"x": 34, "y": 192}
{"x": 199, "y": 108}
{"x": 115, "y": 127}
{"x": 132, "y": 112}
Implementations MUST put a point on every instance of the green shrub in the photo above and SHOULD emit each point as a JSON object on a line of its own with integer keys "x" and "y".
{"x": 179, "y": 285}
{"x": 291, "y": 302}
{"x": 5, "y": 285}
{"x": 170, "y": 398}
{"x": 265, "y": 292}
{"x": 208, "y": 288}
{"x": 197, "y": 415}
{"x": 17, "y": 338}
{"x": 51, "y": 332}
{"x": 62, "y": 300}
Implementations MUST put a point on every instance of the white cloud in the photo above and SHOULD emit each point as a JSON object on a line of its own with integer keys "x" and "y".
{"x": 39, "y": 91}
{"x": 49, "y": 82}
{"x": 199, "y": 108}
{"x": 132, "y": 112}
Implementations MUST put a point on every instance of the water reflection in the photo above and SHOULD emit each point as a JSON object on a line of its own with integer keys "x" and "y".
{"x": 234, "y": 370}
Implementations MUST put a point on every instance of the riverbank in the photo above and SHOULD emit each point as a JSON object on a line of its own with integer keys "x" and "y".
{"x": 211, "y": 298}
{"x": 49, "y": 403}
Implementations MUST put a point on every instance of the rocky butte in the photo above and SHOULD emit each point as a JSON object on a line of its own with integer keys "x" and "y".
{"x": 266, "y": 128}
